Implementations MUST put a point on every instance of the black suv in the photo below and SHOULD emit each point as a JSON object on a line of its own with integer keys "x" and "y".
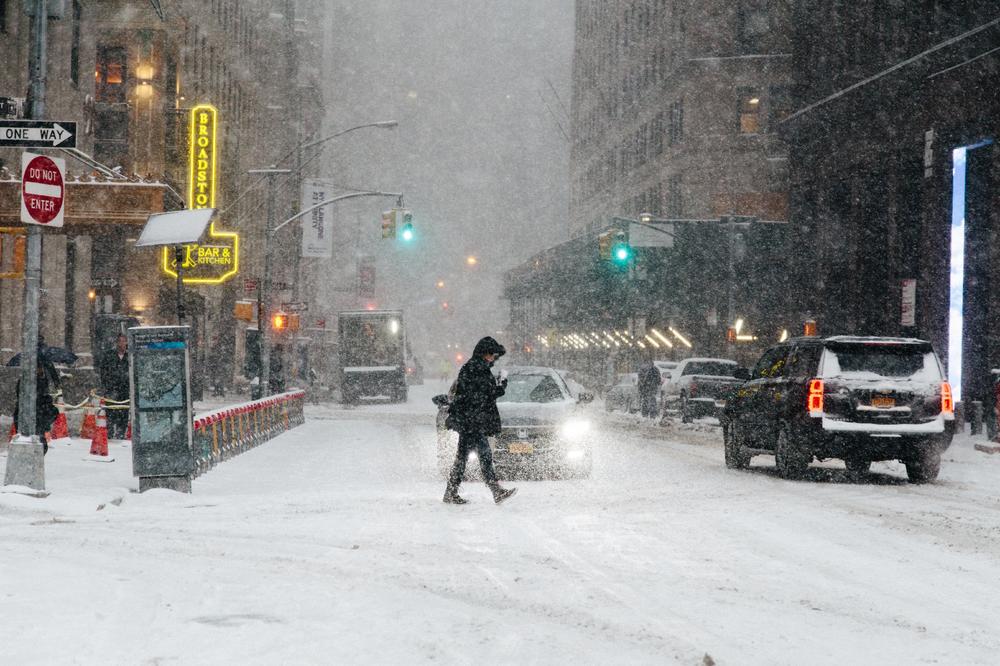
{"x": 860, "y": 399}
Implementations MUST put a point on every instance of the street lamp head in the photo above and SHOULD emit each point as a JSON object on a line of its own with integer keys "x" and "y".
{"x": 387, "y": 124}
{"x": 645, "y": 217}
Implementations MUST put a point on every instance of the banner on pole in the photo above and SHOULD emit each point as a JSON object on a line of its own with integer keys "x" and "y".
{"x": 317, "y": 229}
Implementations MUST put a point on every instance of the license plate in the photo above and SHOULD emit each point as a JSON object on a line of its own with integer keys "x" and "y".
{"x": 520, "y": 447}
{"x": 883, "y": 402}
{"x": 522, "y": 434}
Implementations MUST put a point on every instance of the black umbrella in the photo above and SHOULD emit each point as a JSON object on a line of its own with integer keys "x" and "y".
{"x": 53, "y": 354}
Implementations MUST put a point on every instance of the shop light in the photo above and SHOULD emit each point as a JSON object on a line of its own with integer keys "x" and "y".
{"x": 684, "y": 341}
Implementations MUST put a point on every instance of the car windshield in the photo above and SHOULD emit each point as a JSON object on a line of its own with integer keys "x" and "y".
{"x": 531, "y": 388}
{"x": 713, "y": 368}
{"x": 876, "y": 361}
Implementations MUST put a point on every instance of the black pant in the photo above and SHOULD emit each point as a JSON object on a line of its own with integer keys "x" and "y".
{"x": 649, "y": 404}
{"x": 467, "y": 442}
{"x": 117, "y": 423}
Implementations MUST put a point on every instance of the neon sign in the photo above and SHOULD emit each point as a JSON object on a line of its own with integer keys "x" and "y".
{"x": 219, "y": 259}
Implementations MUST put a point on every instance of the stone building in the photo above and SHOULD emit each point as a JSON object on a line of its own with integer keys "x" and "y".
{"x": 129, "y": 72}
{"x": 894, "y": 199}
{"x": 675, "y": 109}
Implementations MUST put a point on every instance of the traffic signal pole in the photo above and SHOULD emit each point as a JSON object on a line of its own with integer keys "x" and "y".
{"x": 26, "y": 462}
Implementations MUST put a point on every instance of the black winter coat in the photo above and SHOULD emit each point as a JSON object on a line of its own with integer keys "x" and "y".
{"x": 474, "y": 408}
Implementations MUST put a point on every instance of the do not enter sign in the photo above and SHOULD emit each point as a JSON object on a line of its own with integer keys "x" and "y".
{"x": 42, "y": 190}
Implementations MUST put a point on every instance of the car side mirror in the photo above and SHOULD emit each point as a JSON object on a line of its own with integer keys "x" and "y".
{"x": 440, "y": 400}
{"x": 742, "y": 373}
{"x": 584, "y": 398}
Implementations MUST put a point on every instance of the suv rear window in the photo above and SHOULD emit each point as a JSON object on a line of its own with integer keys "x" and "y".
{"x": 898, "y": 361}
{"x": 710, "y": 368}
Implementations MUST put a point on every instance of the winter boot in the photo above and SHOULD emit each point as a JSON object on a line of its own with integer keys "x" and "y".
{"x": 451, "y": 497}
{"x": 501, "y": 494}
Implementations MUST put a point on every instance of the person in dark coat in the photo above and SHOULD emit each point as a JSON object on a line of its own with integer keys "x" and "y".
{"x": 649, "y": 386}
{"x": 46, "y": 379}
{"x": 115, "y": 384}
{"x": 474, "y": 415}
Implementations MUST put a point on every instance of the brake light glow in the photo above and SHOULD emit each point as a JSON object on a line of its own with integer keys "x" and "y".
{"x": 947, "y": 401}
{"x": 815, "y": 400}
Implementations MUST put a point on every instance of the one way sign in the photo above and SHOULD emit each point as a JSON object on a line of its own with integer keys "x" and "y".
{"x": 38, "y": 133}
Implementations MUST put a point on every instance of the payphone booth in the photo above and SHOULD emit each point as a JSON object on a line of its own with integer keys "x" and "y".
{"x": 161, "y": 407}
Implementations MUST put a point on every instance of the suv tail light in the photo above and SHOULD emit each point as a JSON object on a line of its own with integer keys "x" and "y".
{"x": 814, "y": 403}
{"x": 947, "y": 401}
{"x": 693, "y": 389}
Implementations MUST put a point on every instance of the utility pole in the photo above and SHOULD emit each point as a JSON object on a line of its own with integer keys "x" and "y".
{"x": 264, "y": 289}
{"x": 26, "y": 462}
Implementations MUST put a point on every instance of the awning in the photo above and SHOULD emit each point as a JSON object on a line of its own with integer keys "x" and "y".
{"x": 92, "y": 202}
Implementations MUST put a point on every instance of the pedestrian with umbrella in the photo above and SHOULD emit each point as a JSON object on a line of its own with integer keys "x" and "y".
{"x": 46, "y": 380}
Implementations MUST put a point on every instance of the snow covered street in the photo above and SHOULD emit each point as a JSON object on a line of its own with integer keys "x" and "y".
{"x": 330, "y": 544}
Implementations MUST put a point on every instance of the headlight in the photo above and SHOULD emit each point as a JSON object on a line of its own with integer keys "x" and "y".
{"x": 575, "y": 428}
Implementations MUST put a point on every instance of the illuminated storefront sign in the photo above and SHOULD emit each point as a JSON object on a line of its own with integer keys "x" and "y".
{"x": 217, "y": 260}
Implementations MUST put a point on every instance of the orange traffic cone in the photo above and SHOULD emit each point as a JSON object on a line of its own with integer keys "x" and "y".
{"x": 89, "y": 419}
{"x": 13, "y": 432}
{"x": 99, "y": 444}
{"x": 128, "y": 431}
{"x": 60, "y": 429}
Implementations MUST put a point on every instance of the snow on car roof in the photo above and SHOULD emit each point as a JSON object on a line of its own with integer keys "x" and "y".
{"x": 874, "y": 339}
{"x": 530, "y": 370}
{"x": 699, "y": 359}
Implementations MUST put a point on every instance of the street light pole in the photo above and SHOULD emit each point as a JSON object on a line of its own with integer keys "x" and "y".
{"x": 26, "y": 462}
{"x": 264, "y": 289}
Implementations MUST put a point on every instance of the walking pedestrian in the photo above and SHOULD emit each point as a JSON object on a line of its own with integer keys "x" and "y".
{"x": 474, "y": 415}
{"x": 649, "y": 385}
{"x": 115, "y": 384}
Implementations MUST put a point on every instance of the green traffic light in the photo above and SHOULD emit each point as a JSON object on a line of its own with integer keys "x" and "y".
{"x": 621, "y": 253}
{"x": 407, "y": 232}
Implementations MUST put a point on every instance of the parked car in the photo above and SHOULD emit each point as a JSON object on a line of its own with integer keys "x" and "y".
{"x": 699, "y": 387}
{"x": 545, "y": 430}
{"x": 859, "y": 399}
{"x": 666, "y": 369}
{"x": 624, "y": 395}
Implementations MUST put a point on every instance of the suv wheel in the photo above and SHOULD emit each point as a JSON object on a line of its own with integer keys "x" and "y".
{"x": 924, "y": 466}
{"x": 789, "y": 458}
{"x": 735, "y": 458}
{"x": 857, "y": 465}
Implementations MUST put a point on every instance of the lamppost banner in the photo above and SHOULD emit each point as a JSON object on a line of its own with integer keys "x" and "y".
{"x": 317, "y": 228}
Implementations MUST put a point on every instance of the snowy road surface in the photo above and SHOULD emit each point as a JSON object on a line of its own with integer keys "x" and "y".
{"x": 331, "y": 545}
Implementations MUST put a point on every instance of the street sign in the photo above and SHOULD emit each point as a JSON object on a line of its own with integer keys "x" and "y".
{"x": 249, "y": 285}
{"x": 38, "y": 133}
{"x": 298, "y": 306}
{"x": 42, "y": 190}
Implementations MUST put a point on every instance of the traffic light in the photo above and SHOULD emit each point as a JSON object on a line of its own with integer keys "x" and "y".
{"x": 279, "y": 321}
{"x": 406, "y": 231}
{"x": 621, "y": 251}
{"x": 389, "y": 224}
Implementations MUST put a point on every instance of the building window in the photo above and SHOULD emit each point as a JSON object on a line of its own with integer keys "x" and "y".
{"x": 752, "y": 25}
{"x": 676, "y": 122}
{"x": 675, "y": 202}
{"x": 74, "y": 54}
{"x": 780, "y": 105}
{"x": 111, "y": 116}
{"x": 749, "y": 111}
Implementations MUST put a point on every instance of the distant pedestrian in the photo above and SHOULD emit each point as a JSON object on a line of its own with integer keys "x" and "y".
{"x": 649, "y": 386}
{"x": 474, "y": 415}
{"x": 116, "y": 385}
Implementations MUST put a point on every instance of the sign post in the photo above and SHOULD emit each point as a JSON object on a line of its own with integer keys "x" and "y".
{"x": 26, "y": 459}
